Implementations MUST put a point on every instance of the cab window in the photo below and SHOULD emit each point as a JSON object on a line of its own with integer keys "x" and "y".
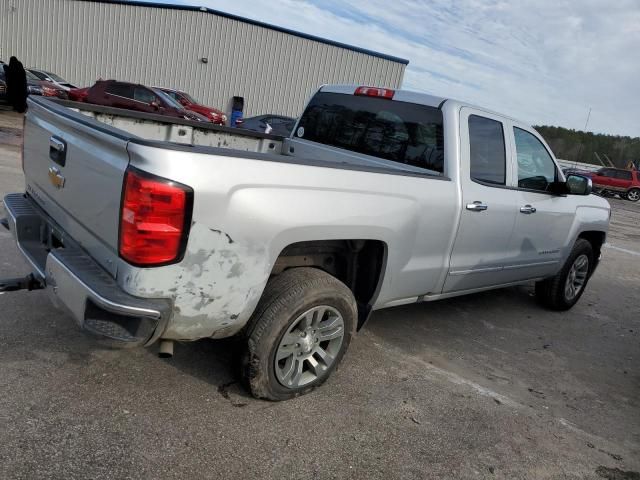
{"x": 401, "y": 132}
{"x": 536, "y": 169}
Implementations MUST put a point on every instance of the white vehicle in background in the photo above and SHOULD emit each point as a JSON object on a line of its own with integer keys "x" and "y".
{"x": 51, "y": 77}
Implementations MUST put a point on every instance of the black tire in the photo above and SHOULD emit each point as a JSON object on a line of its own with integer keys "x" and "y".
{"x": 287, "y": 297}
{"x": 633, "y": 195}
{"x": 551, "y": 292}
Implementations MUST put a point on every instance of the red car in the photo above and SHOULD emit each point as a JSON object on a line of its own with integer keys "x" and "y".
{"x": 616, "y": 180}
{"x": 78, "y": 94}
{"x": 132, "y": 96}
{"x": 187, "y": 101}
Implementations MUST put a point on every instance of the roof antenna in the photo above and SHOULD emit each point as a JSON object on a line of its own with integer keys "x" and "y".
{"x": 587, "y": 122}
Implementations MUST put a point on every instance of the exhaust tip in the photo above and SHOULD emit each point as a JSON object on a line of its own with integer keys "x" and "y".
{"x": 166, "y": 349}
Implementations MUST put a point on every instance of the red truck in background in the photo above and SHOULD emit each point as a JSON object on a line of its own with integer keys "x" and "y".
{"x": 616, "y": 180}
{"x": 187, "y": 101}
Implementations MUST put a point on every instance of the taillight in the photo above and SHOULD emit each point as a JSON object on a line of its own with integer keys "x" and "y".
{"x": 375, "y": 92}
{"x": 154, "y": 219}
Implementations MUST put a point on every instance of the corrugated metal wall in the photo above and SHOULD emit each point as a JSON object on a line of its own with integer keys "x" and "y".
{"x": 274, "y": 71}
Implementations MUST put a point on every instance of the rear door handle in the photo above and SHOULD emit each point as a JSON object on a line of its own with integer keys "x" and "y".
{"x": 527, "y": 209}
{"x": 477, "y": 206}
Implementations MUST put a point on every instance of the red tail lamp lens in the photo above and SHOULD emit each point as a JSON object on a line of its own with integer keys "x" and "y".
{"x": 154, "y": 219}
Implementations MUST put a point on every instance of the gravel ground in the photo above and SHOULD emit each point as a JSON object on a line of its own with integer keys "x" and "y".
{"x": 485, "y": 386}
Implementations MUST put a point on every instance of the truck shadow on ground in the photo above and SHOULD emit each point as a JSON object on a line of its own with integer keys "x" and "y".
{"x": 217, "y": 362}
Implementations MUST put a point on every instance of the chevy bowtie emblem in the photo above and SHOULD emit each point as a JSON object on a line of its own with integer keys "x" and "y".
{"x": 56, "y": 178}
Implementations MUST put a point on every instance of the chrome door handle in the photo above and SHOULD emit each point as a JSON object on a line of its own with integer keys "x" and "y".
{"x": 528, "y": 209}
{"x": 477, "y": 206}
{"x": 58, "y": 150}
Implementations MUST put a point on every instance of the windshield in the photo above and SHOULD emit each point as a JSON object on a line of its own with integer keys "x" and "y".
{"x": 31, "y": 76}
{"x": 167, "y": 99}
{"x": 188, "y": 97}
{"x": 56, "y": 77}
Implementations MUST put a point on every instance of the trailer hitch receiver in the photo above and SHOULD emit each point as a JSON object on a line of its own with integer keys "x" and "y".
{"x": 30, "y": 282}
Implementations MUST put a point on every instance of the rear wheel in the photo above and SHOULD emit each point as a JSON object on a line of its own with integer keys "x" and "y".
{"x": 298, "y": 334}
{"x": 633, "y": 194}
{"x": 562, "y": 291}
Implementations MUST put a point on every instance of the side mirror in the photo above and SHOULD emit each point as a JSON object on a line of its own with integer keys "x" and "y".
{"x": 155, "y": 105}
{"x": 579, "y": 185}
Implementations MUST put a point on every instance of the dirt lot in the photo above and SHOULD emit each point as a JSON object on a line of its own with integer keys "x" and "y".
{"x": 487, "y": 386}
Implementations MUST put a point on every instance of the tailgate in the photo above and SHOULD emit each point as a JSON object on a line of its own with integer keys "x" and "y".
{"x": 74, "y": 169}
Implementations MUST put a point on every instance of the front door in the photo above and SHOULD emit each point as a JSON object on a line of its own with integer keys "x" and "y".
{"x": 488, "y": 207}
{"x": 543, "y": 218}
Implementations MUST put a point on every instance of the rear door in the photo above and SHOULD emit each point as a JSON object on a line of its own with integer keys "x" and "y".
{"x": 543, "y": 219}
{"x": 481, "y": 248}
{"x": 623, "y": 180}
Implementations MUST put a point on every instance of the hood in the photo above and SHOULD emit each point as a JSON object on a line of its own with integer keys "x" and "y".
{"x": 207, "y": 112}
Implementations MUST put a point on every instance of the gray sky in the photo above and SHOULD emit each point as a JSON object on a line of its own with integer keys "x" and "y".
{"x": 542, "y": 61}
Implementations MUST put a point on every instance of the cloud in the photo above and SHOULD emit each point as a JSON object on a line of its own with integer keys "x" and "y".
{"x": 543, "y": 61}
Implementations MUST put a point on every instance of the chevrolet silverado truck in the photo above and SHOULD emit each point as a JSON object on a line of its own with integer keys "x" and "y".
{"x": 149, "y": 229}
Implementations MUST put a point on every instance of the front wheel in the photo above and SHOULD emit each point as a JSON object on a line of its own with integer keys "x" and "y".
{"x": 633, "y": 194}
{"x": 298, "y": 334}
{"x": 562, "y": 291}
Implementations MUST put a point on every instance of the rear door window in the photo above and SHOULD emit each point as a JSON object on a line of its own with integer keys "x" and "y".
{"x": 401, "y": 132}
{"x": 487, "y": 151}
{"x": 623, "y": 174}
{"x": 120, "y": 90}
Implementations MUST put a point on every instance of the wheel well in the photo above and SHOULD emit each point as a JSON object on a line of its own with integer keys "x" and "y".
{"x": 596, "y": 239}
{"x": 359, "y": 264}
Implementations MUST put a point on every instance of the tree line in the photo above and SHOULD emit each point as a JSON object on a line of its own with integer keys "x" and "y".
{"x": 578, "y": 146}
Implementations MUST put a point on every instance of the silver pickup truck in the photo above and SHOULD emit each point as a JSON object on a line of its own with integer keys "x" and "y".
{"x": 148, "y": 229}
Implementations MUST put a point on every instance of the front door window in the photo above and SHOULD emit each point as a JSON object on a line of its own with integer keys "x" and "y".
{"x": 536, "y": 169}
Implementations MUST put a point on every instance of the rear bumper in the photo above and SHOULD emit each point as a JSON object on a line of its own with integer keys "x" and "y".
{"x": 76, "y": 282}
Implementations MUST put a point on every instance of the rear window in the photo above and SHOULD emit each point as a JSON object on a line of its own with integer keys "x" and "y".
{"x": 401, "y": 132}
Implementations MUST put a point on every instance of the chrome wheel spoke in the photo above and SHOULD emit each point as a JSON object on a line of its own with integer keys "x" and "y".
{"x": 316, "y": 367}
{"x": 288, "y": 368}
{"x": 293, "y": 373}
{"x": 325, "y": 335}
{"x": 325, "y": 356}
{"x": 330, "y": 323}
{"x": 285, "y": 351}
{"x": 306, "y": 321}
{"x": 317, "y": 316}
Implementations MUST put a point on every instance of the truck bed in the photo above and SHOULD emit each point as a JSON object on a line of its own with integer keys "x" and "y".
{"x": 168, "y": 129}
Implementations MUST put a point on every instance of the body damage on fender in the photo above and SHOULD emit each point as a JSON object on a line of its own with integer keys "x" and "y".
{"x": 214, "y": 289}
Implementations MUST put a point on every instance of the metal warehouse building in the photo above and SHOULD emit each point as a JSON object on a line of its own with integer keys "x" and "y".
{"x": 210, "y": 54}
